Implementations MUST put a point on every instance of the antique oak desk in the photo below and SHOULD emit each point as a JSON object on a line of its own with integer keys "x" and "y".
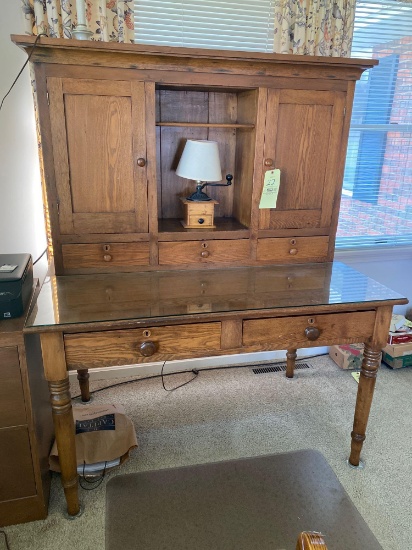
{"x": 89, "y": 321}
{"x": 132, "y": 284}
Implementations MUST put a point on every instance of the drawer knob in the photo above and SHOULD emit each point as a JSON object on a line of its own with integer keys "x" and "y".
{"x": 141, "y": 162}
{"x": 147, "y": 348}
{"x": 205, "y": 253}
{"x": 200, "y": 220}
{"x": 107, "y": 258}
{"x": 293, "y": 251}
{"x": 312, "y": 333}
{"x": 268, "y": 162}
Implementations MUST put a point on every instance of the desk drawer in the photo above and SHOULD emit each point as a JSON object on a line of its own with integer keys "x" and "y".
{"x": 105, "y": 255}
{"x": 289, "y": 332}
{"x": 296, "y": 249}
{"x": 203, "y": 252}
{"x": 12, "y": 409}
{"x": 126, "y": 347}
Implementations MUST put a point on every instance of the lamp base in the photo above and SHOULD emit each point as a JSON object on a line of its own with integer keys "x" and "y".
{"x": 198, "y": 196}
{"x": 81, "y": 32}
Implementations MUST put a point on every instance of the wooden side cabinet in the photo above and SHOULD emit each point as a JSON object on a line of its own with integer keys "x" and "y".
{"x": 26, "y": 428}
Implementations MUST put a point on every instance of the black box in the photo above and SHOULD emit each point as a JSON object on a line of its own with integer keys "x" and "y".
{"x": 16, "y": 283}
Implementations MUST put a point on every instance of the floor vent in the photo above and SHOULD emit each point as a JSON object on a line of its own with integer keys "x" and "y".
{"x": 278, "y": 367}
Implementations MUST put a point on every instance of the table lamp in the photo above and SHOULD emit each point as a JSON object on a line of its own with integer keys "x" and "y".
{"x": 200, "y": 162}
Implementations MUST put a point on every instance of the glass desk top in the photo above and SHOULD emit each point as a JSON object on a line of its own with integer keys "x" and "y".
{"x": 77, "y": 299}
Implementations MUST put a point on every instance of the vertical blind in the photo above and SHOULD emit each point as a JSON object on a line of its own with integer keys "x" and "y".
{"x": 220, "y": 24}
{"x": 376, "y": 207}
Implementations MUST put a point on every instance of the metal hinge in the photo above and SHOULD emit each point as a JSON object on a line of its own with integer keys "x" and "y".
{"x": 58, "y": 207}
{"x": 344, "y": 111}
{"x": 48, "y": 99}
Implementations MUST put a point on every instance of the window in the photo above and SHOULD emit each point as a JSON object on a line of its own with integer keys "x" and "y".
{"x": 376, "y": 207}
{"x": 221, "y": 24}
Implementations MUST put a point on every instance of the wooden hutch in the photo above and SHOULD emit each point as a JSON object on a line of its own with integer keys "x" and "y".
{"x": 114, "y": 120}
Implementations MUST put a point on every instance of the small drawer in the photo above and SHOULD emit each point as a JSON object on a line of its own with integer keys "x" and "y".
{"x": 307, "y": 331}
{"x": 126, "y": 347}
{"x": 105, "y": 255}
{"x": 12, "y": 408}
{"x": 293, "y": 249}
{"x": 201, "y": 252}
{"x": 204, "y": 220}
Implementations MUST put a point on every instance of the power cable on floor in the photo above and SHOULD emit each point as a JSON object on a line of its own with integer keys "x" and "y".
{"x": 194, "y": 371}
{"x": 6, "y": 540}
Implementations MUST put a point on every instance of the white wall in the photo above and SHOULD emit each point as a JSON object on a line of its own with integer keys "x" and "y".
{"x": 21, "y": 211}
{"x": 391, "y": 267}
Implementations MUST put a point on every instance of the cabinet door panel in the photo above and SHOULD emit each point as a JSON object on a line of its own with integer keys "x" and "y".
{"x": 16, "y": 467}
{"x": 303, "y": 132}
{"x": 12, "y": 409}
{"x": 98, "y": 133}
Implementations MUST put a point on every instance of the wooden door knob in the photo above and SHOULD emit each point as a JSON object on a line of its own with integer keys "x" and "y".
{"x": 147, "y": 348}
{"x": 204, "y": 253}
{"x": 107, "y": 258}
{"x": 141, "y": 162}
{"x": 293, "y": 251}
{"x": 312, "y": 333}
{"x": 268, "y": 162}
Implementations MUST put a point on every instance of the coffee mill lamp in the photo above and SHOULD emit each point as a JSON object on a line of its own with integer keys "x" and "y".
{"x": 200, "y": 162}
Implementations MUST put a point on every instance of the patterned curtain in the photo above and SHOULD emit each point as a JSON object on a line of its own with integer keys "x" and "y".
{"x": 109, "y": 20}
{"x": 314, "y": 27}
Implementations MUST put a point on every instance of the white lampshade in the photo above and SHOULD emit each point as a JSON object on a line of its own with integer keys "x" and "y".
{"x": 200, "y": 161}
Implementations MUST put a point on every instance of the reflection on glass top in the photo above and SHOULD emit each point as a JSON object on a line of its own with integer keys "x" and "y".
{"x": 72, "y": 299}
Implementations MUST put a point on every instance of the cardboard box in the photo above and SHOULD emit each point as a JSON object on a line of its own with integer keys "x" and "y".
{"x": 400, "y": 337}
{"x": 397, "y": 362}
{"x": 347, "y": 356}
{"x": 398, "y": 350}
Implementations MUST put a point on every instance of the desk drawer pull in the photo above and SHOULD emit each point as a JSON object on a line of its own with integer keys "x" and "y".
{"x": 293, "y": 251}
{"x": 204, "y": 254}
{"x": 147, "y": 348}
{"x": 107, "y": 258}
{"x": 312, "y": 333}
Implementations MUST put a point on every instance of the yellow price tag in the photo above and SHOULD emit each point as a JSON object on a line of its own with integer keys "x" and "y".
{"x": 270, "y": 189}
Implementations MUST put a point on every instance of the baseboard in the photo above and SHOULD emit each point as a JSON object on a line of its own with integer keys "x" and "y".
{"x": 154, "y": 369}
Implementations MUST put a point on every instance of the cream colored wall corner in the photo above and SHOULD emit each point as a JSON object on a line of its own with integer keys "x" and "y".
{"x": 21, "y": 208}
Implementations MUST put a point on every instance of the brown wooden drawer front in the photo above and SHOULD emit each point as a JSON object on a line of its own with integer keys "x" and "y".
{"x": 105, "y": 255}
{"x": 296, "y": 249}
{"x": 12, "y": 409}
{"x": 16, "y": 468}
{"x": 126, "y": 347}
{"x": 289, "y": 332}
{"x": 203, "y": 252}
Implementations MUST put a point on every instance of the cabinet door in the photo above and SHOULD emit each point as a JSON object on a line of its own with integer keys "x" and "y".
{"x": 303, "y": 139}
{"x": 99, "y": 149}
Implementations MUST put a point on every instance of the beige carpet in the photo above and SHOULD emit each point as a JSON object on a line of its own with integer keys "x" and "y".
{"x": 232, "y": 413}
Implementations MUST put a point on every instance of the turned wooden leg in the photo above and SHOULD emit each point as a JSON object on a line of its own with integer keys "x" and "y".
{"x": 55, "y": 370}
{"x": 83, "y": 378}
{"x": 290, "y": 362}
{"x": 64, "y": 430}
{"x": 370, "y": 365}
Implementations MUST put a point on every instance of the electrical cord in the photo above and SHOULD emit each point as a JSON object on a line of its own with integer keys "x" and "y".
{"x": 95, "y": 482}
{"x": 6, "y": 540}
{"x": 22, "y": 69}
{"x": 195, "y": 372}
{"x": 41, "y": 256}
